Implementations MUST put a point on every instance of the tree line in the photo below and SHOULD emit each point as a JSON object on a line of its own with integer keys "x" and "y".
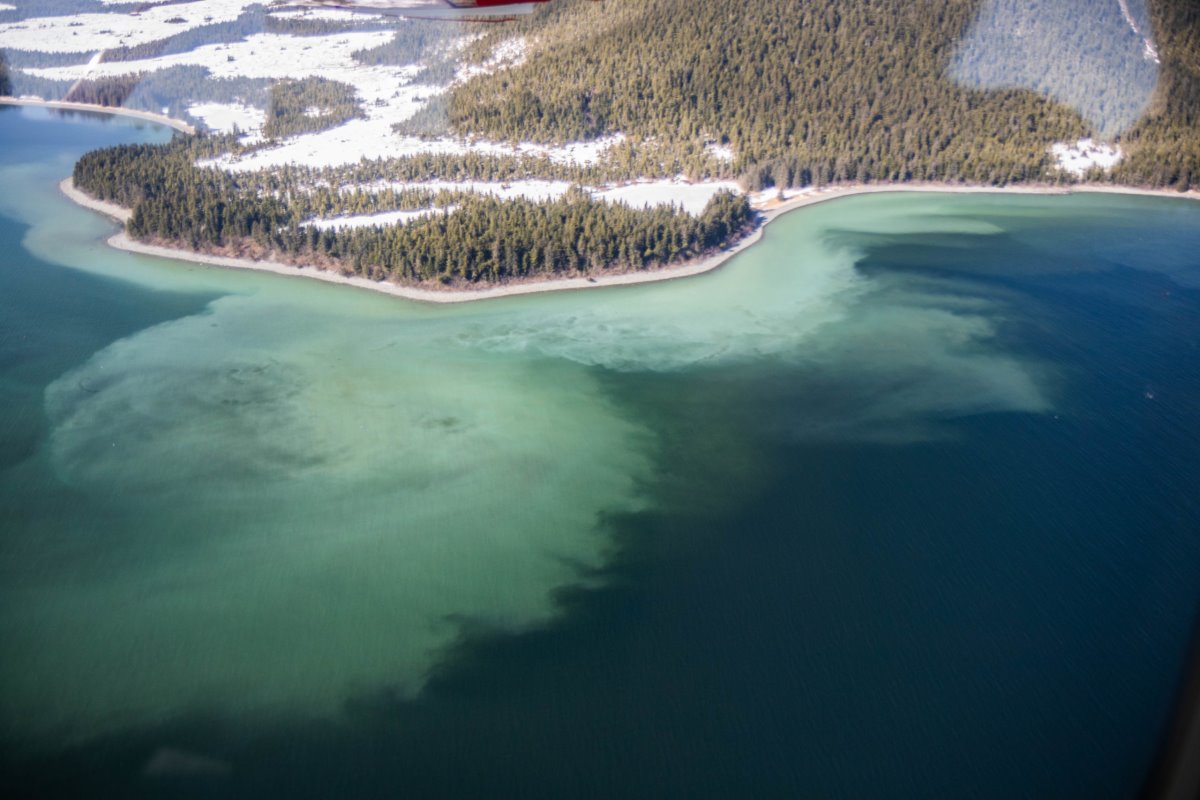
{"x": 481, "y": 240}
{"x": 309, "y": 105}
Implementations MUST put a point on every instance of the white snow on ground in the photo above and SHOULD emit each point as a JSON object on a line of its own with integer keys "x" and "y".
{"x": 85, "y": 33}
{"x": 327, "y": 14}
{"x": 373, "y": 138}
{"x": 721, "y": 152}
{"x": 1149, "y": 51}
{"x": 766, "y": 196}
{"x": 388, "y": 96}
{"x": 692, "y": 197}
{"x": 1078, "y": 158}
{"x": 510, "y": 53}
{"x": 261, "y": 55}
{"x": 7, "y": 7}
{"x": 225, "y": 117}
{"x": 367, "y": 220}
{"x": 530, "y": 190}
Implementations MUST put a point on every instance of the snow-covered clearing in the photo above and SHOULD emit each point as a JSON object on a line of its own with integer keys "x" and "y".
{"x": 768, "y": 196}
{"x": 86, "y": 33}
{"x": 510, "y": 53}
{"x": 261, "y": 55}
{"x": 1081, "y": 156}
{"x": 387, "y": 93}
{"x": 226, "y": 117}
{"x": 373, "y": 138}
{"x": 325, "y": 14}
{"x": 368, "y": 220}
{"x": 511, "y": 190}
{"x": 721, "y": 152}
{"x": 691, "y": 197}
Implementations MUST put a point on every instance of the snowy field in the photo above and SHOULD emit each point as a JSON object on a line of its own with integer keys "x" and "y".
{"x": 228, "y": 117}
{"x": 1081, "y": 156}
{"x": 691, "y": 197}
{"x": 367, "y": 220}
{"x": 88, "y": 33}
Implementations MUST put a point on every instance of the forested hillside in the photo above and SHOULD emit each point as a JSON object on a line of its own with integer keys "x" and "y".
{"x": 1082, "y": 53}
{"x": 1164, "y": 147}
{"x": 803, "y": 91}
{"x": 4, "y": 85}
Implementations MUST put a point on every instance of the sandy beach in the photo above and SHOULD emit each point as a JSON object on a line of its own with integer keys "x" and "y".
{"x": 111, "y": 210}
{"x": 769, "y": 211}
{"x": 160, "y": 119}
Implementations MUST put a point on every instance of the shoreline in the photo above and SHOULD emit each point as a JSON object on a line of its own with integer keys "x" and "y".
{"x": 63, "y": 105}
{"x": 768, "y": 212}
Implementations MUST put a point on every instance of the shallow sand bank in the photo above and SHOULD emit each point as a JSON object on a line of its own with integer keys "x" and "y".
{"x": 111, "y": 210}
{"x": 769, "y": 211}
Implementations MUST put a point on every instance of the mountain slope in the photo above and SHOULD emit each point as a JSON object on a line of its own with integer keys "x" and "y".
{"x": 804, "y": 92}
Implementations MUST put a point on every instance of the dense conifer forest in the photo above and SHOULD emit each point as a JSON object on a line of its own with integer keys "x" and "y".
{"x": 309, "y": 105}
{"x": 478, "y": 239}
{"x": 814, "y": 92}
{"x": 1164, "y": 146}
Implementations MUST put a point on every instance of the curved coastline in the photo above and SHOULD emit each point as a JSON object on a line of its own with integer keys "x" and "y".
{"x": 769, "y": 212}
{"x": 90, "y": 108}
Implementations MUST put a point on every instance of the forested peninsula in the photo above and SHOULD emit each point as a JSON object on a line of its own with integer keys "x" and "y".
{"x": 773, "y": 94}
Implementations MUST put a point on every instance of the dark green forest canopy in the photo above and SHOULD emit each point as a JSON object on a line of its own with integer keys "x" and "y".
{"x": 1164, "y": 146}
{"x": 806, "y": 92}
{"x": 482, "y": 239}
{"x": 309, "y": 105}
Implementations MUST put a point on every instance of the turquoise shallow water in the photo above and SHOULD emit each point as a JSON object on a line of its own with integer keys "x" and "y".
{"x": 896, "y": 504}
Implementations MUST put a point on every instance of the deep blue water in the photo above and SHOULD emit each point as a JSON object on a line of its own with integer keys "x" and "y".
{"x": 846, "y": 581}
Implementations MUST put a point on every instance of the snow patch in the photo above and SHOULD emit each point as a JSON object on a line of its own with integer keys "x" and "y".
{"x": 323, "y": 14}
{"x": 767, "y": 196}
{"x": 537, "y": 190}
{"x": 7, "y": 7}
{"x": 509, "y": 53}
{"x": 369, "y": 220}
{"x": 721, "y": 152}
{"x": 691, "y": 197}
{"x": 84, "y": 33}
{"x": 226, "y": 117}
{"x": 1149, "y": 51}
{"x": 261, "y": 55}
{"x": 1081, "y": 156}
{"x": 373, "y": 138}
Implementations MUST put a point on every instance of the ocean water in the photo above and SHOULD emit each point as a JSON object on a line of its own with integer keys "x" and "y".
{"x": 900, "y": 503}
